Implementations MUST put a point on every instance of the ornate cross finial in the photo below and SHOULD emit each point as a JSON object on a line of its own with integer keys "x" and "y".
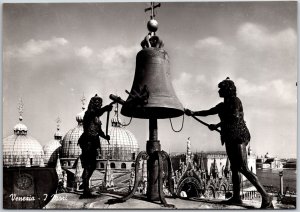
{"x": 152, "y": 8}
{"x": 58, "y": 121}
{"x": 20, "y": 108}
{"x": 83, "y": 100}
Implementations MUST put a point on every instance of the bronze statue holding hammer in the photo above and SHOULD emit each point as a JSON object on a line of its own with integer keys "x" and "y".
{"x": 89, "y": 141}
{"x": 236, "y": 136}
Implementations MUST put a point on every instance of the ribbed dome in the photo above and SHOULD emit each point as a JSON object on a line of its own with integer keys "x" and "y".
{"x": 123, "y": 144}
{"x": 19, "y": 147}
{"x": 51, "y": 151}
{"x": 69, "y": 148}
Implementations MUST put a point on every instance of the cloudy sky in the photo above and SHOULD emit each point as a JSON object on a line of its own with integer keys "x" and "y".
{"x": 55, "y": 53}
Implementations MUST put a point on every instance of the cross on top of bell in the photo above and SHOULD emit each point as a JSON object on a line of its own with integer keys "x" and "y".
{"x": 152, "y": 8}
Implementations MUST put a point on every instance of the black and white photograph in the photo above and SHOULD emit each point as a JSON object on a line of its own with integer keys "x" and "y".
{"x": 149, "y": 105}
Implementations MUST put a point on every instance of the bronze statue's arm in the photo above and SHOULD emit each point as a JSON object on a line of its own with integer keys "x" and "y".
{"x": 102, "y": 110}
{"x": 102, "y": 134}
{"x": 211, "y": 111}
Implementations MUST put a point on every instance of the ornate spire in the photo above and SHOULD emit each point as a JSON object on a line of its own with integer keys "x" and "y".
{"x": 227, "y": 168}
{"x": 202, "y": 163}
{"x": 249, "y": 150}
{"x": 20, "y": 108}
{"x": 20, "y": 128}
{"x": 83, "y": 101}
{"x": 58, "y": 168}
{"x": 78, "y": 171}
{"x": 58, "y": 121}
{"x": 42, "y": 164}
{"x": 57, "y": 134}
{"x": 107, "y": 175}
{"x": 28, "y": 164}
{"x": 79, "y": 116}
{"x": 116, "y": 121}
{"x": 215, "y": 166}
{"x": 188, "y": 147}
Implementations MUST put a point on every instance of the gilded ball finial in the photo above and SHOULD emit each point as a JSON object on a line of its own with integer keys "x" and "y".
{"x": 152, "y": 25}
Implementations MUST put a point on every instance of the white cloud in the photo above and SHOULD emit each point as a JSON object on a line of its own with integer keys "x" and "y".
{"x": 200, "y": 78}
{"x": 287, "y": 92}
{"x": 191, "y": 89}
{"x": 214, "y": 57}
{"x": 60, "y": 54}
{"x": 113, "y": 55}
{"x": 213, "y": 47}
{"x": 260, "y": 38}
{"x": 277, "y": 90}
{"x": 252, "y": 35}
{"x": 34, "y": 48}
{"x": 187, "y": 84}
{"x": 117, "y": 59}
{"x": 247, "y": 88}
{"x": 209, "y": 42}
{"x": 84, "y": 51}
{"x": 253, "y": 49}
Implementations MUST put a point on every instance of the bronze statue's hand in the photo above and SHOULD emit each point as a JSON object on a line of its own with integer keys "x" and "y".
{"x": 212, "y": 127}
{"x": 107, "y": 137}
{"x": 108, "y": 107}
{"x": 188, "y": 112}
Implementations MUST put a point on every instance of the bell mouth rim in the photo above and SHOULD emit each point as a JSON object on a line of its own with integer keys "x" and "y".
{"x": 152, "y": 112}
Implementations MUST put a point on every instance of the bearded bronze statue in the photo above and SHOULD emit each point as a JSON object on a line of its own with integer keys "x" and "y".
{"x": 236, "y": 136}
{"x": 89, "y": 141}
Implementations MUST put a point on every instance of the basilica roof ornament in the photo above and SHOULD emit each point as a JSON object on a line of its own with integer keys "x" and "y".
{"x": 20, "y": 128}
{"x": 52, "y": 148}
{"x": 20, "y": 147}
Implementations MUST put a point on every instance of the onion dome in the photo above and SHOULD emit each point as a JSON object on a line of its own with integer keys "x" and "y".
{"x": 123, "y": 144}
{"x": 52, "y": 148}
{"x": 69, "y": 148}
{"x": 20, "y": 148}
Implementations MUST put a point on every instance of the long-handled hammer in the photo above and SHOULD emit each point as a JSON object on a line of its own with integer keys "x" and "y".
{"x": 204, "y": 123}
{"x": 116, "y": 99}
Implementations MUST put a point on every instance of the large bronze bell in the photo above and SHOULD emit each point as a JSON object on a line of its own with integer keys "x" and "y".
{"x": 152, "y": 95}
